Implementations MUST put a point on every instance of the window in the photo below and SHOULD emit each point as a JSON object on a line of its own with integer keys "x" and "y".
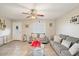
{"x": 38, "y": 27}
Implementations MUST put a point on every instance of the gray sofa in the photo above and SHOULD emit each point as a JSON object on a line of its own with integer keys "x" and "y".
{"x": 44, "y": 40}
{"x": 60, "y": 49}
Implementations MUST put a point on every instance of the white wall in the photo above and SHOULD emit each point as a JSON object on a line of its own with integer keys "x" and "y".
{"x": 44, "y": 25}
{"x": 8, "y": 30}
{"x": 63, "y": 25}
{"x": 50, "y": 30}
{"x": 7, "y": 33}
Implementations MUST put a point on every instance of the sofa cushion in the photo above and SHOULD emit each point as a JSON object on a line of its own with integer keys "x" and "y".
{"x": 63, "y": 36}
{"x": 42, "y": 36}
{"x": 74, "y": 49}
{"x": 58, "y": 47}
{"x": 57, "y": 39}
{"x": 78, "y": 41}
{"x": 65, "y": 53}
{"x": 66, "y": 43}
{"x": 77, "y": 54}
{"x": 72, "y": 39}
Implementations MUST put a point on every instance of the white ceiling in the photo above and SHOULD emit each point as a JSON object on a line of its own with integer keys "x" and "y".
{"x": 14, "y": 11}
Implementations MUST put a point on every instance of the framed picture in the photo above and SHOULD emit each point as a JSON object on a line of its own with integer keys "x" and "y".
{"x": 26, "y": 26}
{"x": 17, "y": 27}
{"x": 50, "y": 24}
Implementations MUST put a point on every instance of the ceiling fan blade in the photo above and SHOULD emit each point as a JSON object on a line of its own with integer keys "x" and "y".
{"x": 28, "y": 16}
{"x": 40, "y": 15}
{"x": 24, "y": 13}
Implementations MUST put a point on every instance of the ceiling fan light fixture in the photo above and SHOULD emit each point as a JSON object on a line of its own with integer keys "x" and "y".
{"x": 33, "y": 17}
{"x": 33, "y": 14}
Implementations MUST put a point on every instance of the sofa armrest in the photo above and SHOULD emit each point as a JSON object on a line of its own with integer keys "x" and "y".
{"x": 77, "y": 54}
{"x": 65, "y": 53}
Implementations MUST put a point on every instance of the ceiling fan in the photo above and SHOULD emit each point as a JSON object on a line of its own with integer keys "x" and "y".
{"x": 32, "y": 14}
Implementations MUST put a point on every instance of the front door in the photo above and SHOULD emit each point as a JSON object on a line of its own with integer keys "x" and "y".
{"x": 17, "y": 31}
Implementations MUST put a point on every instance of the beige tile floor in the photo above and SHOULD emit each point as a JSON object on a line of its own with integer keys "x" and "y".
{"x": 19, "y": 48}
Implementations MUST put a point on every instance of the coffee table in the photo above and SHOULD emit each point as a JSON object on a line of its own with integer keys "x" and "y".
{"x": 38, "y": 51}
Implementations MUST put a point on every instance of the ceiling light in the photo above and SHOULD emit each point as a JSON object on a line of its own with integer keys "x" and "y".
{"x": 33, "y": 17}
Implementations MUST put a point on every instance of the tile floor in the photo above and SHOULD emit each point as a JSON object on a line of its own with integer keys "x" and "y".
{"x": 19, "y": 48}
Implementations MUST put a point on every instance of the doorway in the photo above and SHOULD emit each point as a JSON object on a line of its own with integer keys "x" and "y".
{"x": 17, "y": 31}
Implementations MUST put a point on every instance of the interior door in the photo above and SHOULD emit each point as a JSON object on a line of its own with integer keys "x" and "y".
{"x": 17, "y": 31}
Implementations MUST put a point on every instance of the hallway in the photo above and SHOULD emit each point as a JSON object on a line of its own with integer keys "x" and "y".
{"x": 19, "y": 48}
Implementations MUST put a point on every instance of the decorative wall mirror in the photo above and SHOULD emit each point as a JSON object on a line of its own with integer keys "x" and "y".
{"x": 17, "y": 27}
{"x": 2, "y": 24}
{"x": 50, "y": 24}
{"x": 26, "y": 26}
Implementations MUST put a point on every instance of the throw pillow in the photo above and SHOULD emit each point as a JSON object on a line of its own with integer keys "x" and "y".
{"x": 74, "y": 49}
{"x": 57, "y": 39}
{"x": 66, "y": 43}
{"x": 42, "y": 35}
{"x": 34, "y": 35}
